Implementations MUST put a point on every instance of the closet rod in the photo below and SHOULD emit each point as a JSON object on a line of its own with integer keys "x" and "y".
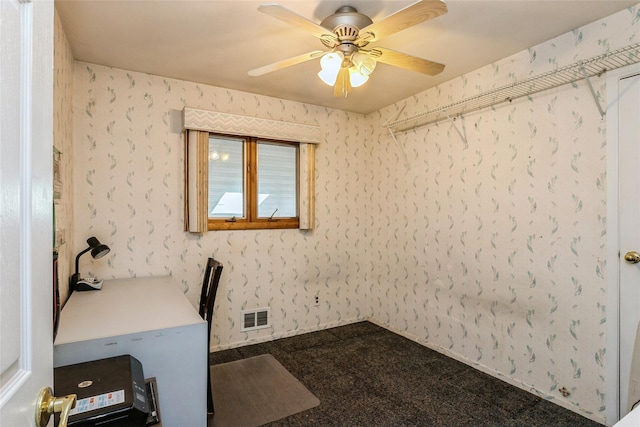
{"x": 594, "y": 66}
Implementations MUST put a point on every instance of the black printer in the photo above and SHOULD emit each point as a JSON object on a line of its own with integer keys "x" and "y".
{"x": 110, "y": 392}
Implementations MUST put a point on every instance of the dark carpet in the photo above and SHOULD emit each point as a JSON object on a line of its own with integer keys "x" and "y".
{"x": 365, "y": 375}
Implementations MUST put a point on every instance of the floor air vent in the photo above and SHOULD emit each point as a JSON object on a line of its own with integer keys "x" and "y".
{"x": 255, "y": 319}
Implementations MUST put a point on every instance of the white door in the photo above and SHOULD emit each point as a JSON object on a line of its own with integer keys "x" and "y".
{"x": 629, "y": 230}
{"x": 26, "y": 141}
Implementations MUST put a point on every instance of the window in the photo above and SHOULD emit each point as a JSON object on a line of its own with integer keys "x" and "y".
{"x": 262, "y": 182}
{"x": 252, "y": 183}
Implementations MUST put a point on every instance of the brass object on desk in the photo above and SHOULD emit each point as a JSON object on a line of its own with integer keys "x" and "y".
{"x": 47, "y": 404}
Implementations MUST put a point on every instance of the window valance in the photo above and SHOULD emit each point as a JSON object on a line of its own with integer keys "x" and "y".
{"x": 234, "y": 124}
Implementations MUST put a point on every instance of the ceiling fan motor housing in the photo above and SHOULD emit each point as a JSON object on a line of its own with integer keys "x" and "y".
{"x": 346, "y": 23}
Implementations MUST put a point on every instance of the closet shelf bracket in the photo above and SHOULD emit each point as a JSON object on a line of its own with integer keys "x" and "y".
{"x": 593, "y": 92}
{"x": 395, "y": 139}
{"x": 453, "y": 123}
{"x": 399, "y": 147}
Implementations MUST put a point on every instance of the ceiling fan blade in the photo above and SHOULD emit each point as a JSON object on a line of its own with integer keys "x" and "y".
{"x": 402, "y": 60}
{"x": 292, "y": 18}
{"x": 286, "y": 63}
{"x": 411, "y": 15}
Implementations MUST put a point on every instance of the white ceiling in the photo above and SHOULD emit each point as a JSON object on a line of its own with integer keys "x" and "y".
{"x": 216, "y": 42}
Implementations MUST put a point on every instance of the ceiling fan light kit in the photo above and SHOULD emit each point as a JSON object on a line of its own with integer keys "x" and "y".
{"x": 345, "y": 33}
{"x": 342, "y": 73}
{"x": 330, "y": 64}
{"x": 365, "y": 64}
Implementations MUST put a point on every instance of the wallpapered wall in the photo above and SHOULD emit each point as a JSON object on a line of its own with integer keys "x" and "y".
{"x": 129, "y": 193}
{"x": 493, "y": 254}
{"x": 63, "y": 142}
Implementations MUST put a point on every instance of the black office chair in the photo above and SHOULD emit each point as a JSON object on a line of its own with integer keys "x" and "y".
{"x": 212, "y": 274}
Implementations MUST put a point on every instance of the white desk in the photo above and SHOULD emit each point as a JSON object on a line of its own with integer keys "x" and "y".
{"x": 632, "y": 419}
{"x": 150, "y": 319}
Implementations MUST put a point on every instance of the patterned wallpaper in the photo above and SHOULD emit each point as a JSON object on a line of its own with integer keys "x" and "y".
{"x": 493, "y": 254}
{"x": 128, "y": 193}
{"x": 63, "y": 141}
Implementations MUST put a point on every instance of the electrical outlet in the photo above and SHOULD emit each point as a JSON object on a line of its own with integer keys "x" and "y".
{"x": 316, "y": 300}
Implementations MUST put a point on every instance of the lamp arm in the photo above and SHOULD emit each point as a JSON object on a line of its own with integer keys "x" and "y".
{"x": 78, "y": 258}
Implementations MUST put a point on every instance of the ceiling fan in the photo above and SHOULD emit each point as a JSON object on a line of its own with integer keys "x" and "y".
{"x": 346, "y": 34}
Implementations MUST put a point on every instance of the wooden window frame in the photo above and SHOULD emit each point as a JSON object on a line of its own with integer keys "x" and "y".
{"x": 250, "y": 183}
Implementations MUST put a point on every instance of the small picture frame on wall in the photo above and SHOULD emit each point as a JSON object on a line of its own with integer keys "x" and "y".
{"x": 57, "y": 175}
{"x": 58, "y": 211}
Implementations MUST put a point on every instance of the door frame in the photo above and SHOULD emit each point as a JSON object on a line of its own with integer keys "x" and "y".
{"x": 612, "y": 369}
{"x": 32, "y": 367}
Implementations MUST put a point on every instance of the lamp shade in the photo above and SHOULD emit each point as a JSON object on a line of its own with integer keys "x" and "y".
{"x": 365, "y": 64}
{"x": 330, "y": 65}
{"x": 357, "y": 78}
{"x": 98, "y": 250}
{"x": 328, "y": 76}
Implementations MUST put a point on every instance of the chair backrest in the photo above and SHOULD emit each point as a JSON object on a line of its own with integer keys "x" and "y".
{"x": 206, "y": 284}
{"x": 210, "y": 283}
{"x": 212, "y": 274}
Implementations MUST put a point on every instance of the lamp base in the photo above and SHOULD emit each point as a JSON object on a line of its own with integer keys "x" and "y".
{"x": 89, "y": 284}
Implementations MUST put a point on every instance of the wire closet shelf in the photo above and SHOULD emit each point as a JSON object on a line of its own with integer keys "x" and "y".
{"x": 586, "y": 69}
